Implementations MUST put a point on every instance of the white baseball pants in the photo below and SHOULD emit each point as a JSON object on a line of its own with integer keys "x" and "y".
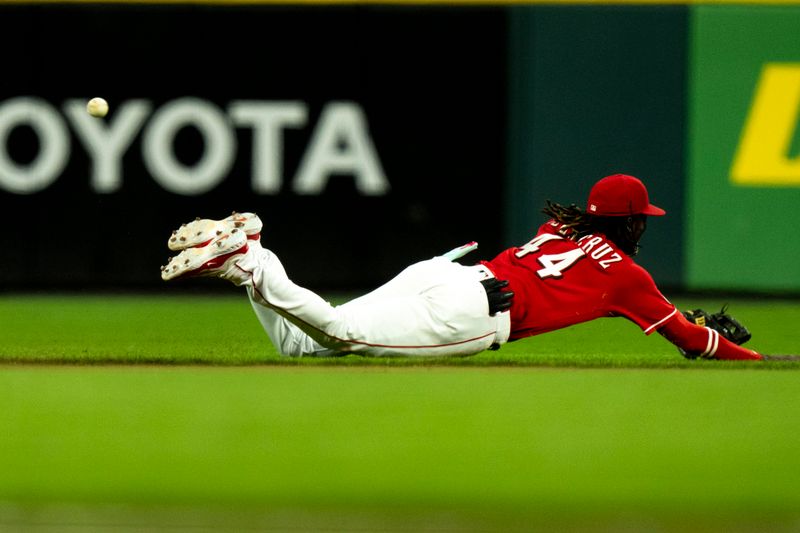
{"x": 432, "y": 308}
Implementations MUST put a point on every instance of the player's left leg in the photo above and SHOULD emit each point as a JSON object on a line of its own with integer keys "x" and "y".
{"x": 432, "y": 308}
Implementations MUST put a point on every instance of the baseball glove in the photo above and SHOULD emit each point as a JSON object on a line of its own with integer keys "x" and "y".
{"x": 721, "y": 322}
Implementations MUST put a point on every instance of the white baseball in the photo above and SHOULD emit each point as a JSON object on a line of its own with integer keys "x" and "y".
{"x": 97, "y": 107}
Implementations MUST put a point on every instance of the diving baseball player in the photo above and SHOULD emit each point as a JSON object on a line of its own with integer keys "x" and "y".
{"x": 577, "y": 268}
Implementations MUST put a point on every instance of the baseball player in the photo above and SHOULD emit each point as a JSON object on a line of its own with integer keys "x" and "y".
{"x": 577, "y": 268}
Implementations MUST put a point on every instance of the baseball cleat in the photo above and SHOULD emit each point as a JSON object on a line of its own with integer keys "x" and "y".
{"x": 201, "y": 231}
{"x": 211, "y": 260}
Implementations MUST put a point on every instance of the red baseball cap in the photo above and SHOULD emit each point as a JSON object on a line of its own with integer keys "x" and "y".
{"x": 621, "y": 195}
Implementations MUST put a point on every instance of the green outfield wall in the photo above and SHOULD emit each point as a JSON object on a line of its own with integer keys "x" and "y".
{"x": 743, "y": 189}
{"x": 596, "y": 91}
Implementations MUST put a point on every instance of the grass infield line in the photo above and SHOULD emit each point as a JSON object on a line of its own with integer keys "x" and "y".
{"x": 223, "y": 331}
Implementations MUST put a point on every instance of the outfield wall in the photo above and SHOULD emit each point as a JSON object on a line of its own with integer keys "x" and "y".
{"x": 744, "y": 141}
{"x": 368, "y": 136}
{"x": 359, "y": 154}
{"x": 596, "y": 91}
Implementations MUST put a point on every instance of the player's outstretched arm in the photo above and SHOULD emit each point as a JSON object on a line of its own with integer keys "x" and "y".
{"x": 699, "y": 341}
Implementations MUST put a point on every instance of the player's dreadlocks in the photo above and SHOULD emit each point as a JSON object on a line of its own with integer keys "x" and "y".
{"x": 618, "y": 229}
{"x": 572, "y": 217}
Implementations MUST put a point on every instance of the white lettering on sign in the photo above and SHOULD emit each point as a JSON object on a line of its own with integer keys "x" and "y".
{"x": 54, "y": 145}
{"x": 268, "y": 119}
{"x": 218, "y": 140}
{"x": 107, "y": 142}
{"x": 339, "y": 145}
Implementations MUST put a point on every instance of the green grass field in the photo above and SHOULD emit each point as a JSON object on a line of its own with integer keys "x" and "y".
{"x": 142, "y": 413}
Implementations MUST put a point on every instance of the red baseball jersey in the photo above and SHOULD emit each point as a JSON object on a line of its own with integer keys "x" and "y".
{"x": 558, "y": 282}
